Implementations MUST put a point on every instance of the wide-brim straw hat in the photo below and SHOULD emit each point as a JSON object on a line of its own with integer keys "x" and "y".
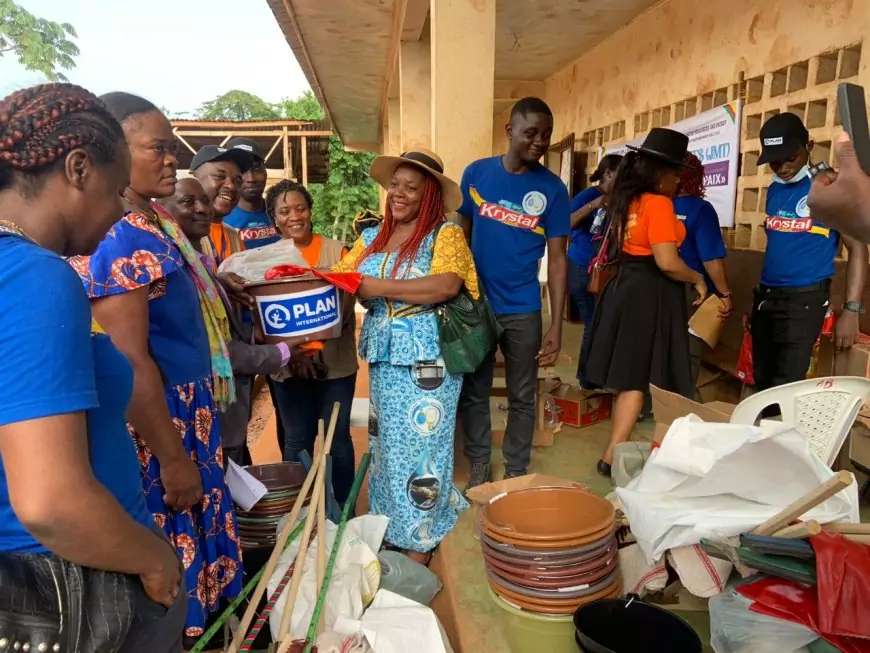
{"x": 383, "y": 168}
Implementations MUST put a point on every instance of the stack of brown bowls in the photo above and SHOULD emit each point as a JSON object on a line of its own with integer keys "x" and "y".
{"x": 551, "y": 550}
{"x": 258, "y": 526}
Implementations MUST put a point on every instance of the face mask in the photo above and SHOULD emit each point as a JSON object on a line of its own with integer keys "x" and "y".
{"x": 802, "y": 174}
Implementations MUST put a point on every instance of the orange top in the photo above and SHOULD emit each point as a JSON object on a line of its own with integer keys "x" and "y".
{"x": 311, "y": 254}
{"x": 222, "y": 246}
{"x": 652, "y": 221}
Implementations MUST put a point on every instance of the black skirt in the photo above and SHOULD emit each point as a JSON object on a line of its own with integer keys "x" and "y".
{"x": 640, "y": 333}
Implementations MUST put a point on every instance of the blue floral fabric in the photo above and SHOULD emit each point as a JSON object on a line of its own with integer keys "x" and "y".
{"x": 413, "y": 412}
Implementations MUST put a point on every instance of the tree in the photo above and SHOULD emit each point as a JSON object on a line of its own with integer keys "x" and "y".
{"x": 39, "y": 44}
{"x": 349, "y": 189}
{"x": 237, "y": 105}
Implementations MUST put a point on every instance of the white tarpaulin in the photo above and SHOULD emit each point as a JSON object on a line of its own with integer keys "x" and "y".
{"x": 711, "y": 480}
{"x": 714, "y": 137}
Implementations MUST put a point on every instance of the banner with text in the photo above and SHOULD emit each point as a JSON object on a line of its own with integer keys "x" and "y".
{"x": 714, "y": 137}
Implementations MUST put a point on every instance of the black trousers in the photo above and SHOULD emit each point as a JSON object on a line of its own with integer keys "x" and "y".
{"x": 520, "y": 344}
{"x": 786, "y": 322}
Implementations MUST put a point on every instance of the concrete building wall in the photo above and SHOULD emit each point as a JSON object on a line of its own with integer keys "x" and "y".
{"x": 685, "y": 56}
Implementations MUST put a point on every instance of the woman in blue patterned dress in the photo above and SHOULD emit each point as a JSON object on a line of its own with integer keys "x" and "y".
{"x": 411, "y": 263}
{"x": 151, "y": 294}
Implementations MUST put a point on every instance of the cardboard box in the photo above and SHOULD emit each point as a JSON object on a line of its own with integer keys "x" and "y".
{"x": 851, "y": 362}
{"x": 668, "y": 406}
{"x": 579, "y": 408}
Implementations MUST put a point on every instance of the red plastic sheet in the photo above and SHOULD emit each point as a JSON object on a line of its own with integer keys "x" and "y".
{"x": 843, "y": 570}
{"x": 837, "y": 608}
{"x": 347, "y": 281}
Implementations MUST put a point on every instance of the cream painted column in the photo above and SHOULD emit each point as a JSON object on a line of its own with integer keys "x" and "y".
{"x": 463, "y": 81}
{"x": 394, "y": 122}
{"x": 415, "y": 95}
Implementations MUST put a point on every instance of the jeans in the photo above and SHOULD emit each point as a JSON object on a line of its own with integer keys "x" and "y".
{"x": 786, "y": 322}
{"x": 520, "y": 344}
{"x": 584, "y": 301}
{"x": 302, "y": 403}
{"x": 155, "y": 628}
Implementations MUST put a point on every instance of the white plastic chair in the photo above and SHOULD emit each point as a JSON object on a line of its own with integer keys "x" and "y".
{"x": 822, "y": 409}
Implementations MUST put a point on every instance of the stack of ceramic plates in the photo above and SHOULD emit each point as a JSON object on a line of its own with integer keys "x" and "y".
{"x": 258, "y": 526}
{"x": 551, "y": 550}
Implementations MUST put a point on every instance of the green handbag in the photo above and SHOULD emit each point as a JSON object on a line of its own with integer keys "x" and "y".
{"x": 467, "y": 330}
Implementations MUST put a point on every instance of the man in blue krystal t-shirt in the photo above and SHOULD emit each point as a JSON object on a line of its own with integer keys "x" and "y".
{"x": 249, "y": 218}
{"x": 515, "y": 209}
{"x": 792, "y": 298}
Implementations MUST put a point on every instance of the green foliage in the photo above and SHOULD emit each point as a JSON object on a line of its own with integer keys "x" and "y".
{"x": 349, "y": 189}
{"x": 305, "y": 107}
{"x": 40, "y": 45}
{"x": 237, "y": 105}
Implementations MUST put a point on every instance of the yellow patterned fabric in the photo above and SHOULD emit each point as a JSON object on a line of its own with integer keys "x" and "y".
{"x": 349, "y": 260}
{"x": 453, "y": 256}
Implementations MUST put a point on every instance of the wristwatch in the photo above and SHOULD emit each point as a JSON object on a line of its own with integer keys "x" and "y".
{"x": 854, "y": 307}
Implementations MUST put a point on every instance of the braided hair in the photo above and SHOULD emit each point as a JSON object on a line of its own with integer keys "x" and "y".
{"x": 637, "y": 175}
{"x": 279, "y": 190}
{"x": 40, "y": 125}
{"x": 692, "y": 177}
{"x": 430, "y": 216}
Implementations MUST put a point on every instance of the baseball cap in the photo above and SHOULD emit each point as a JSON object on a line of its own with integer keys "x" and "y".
{"x": 247, "y": 145}
{"x": 209, "y": 153}
{"x": 782, "y": 137}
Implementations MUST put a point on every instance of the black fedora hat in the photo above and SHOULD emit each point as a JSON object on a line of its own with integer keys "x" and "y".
{"x": 665, "y": 144}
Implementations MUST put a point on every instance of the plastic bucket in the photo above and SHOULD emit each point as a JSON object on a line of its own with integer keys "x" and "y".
{"x": 292, "y": 309}
{"x": 528, "y": 631}
{"x": 629, "y": 626}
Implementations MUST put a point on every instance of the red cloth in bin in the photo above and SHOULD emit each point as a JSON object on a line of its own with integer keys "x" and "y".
{"x": 347, "y": 281}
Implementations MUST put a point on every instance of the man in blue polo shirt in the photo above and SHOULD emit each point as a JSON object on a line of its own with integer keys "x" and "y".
{"x": 515, "y": 209}
{"x": 249, "y": 218}
{"x": 792, "y": 299}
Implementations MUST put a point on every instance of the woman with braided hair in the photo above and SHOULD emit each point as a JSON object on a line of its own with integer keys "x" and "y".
{"x": 82, "y": 565}
{"x": 412, "y": 262}
{"x": 152, "y": 294}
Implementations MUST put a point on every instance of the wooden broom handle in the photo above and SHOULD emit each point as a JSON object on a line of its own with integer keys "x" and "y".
{"x": 810, "y": 500}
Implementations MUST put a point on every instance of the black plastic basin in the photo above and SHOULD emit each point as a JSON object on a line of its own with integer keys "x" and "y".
{"x": 626, "y": 626}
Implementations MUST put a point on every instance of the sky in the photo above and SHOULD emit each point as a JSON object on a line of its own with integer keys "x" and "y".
{"x": 176, "y": 53}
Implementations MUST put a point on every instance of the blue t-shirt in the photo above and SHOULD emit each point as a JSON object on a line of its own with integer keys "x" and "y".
{"x": 136, "y": 254}
{"x": 53, "y": 366}
{"x": 513, "y": 217}
{"x": 582, "y": 249}
{"x": 703, "y": 241}
{"x": 800, "y": 250}
{"x": 255, "y": 228}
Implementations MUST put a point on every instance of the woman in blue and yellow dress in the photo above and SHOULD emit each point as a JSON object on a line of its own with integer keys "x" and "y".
{"x": 151, "y": 293}
{"x": 411, "y": 263}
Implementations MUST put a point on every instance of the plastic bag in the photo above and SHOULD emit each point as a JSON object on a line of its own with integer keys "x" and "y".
{"x": 405, "y": 577}
{"x": 736, "y": 629}
{"x": 744, "y": 361}
{"x": 252, "y": 264}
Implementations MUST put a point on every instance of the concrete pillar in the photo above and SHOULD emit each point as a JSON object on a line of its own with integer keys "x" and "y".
{"x": 415, "y": 95}
{"x": 463, "y": 81}
{"x": 394, "y": 125}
